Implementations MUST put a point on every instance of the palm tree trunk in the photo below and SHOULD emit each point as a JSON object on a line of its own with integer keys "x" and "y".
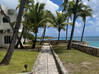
{"x": 66, "y": 32}
{"x": 43, "y": 35}
{"x": 58, "y": 35}
{"x": 24, "y": 41}
{"x": 67, "y": 29}
{"x": 83, "y": 32}
{"x": 73, "y": 27}
{"x": 34, "y": 42}
{"x": 8, "y": 56}
{"x": 10, "y": 23}
{"x": 19, "y": 40}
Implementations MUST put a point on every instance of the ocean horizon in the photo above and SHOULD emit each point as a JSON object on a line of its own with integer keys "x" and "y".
{"x": 93, "y": 41}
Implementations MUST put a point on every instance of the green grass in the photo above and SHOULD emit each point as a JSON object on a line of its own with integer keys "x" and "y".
{"x": 77, "y": 62}
{"x": 29, "y": 45}
{"x": 46, "y": 37}
{"x": 20, "y": 57}
{"x": 29, "y": 42}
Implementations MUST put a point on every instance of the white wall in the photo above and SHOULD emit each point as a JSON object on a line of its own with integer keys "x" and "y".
{"x": 1, "y": 40}
{"x": 5, "y": 26}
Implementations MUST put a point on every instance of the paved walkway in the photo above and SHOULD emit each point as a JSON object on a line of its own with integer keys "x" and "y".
{"x": 45, "y": 64}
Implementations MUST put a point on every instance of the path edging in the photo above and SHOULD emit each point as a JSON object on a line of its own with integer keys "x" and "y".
{"x": 59, "y": 64}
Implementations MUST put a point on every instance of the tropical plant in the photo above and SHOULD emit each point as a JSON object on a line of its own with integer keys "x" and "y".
{"x": 65, "y": 7}
{"x": 46, "y": 23}
{"x": 10, "y": 50}
{"x": 74, "y": 7}
{"x": 19, "y": 40}
{"x": 87, "y": 11}
{"x": 12, "y": 24}
{"x": 59, "y": 22}
{"x": 35, "y": 18}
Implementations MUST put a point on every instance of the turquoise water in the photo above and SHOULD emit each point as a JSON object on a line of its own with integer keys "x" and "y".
{"x": 93, "y": 41}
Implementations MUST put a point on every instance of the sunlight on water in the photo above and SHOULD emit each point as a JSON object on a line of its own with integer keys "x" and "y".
{"x": 93, "y": 41}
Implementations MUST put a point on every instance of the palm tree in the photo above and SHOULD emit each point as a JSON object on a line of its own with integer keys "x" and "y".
{"x": 11, "y": 24}
{"x": 10, "y": 51}
{"x": 74, "y": 19}
{"x": 43, "y": 34}
{"x": 59, "y": 22}
{"x": 87, "y": 11}
{"x": 65, "y": 6}
{"x": 74, "y": 8}
{"x": 18, "y": 42}
{"x": 35, "y": 19}
{"x": 46, "y": 23}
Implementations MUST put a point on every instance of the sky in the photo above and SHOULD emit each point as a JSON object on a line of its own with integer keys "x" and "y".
{"x": 92, "y": 23}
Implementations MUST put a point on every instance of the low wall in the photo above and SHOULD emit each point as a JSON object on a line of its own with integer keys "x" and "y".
{"x": 87, "y": 49}
{"x": 60, "y": 67}
{"x": 65, "y": 41}
{"x": 82, "y": 46}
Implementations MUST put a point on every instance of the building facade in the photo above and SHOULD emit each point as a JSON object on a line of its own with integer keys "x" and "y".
{"x": 5, "y": 29}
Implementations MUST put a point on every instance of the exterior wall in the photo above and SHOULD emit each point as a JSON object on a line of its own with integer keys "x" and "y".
{"x": 6, "y": 26}
{"x": 1, "y": 40}
{"x": 2, "y": 44}
{"x": 82, "y": 46}
{"x": 65, "y": 41}
{"x": 87, "y": 49}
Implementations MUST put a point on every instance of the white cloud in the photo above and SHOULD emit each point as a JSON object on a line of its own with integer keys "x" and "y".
{"x": 77, "y": 24}
{"x": 9, "y": 3}
{"x": 49, "y": 5}
{"x": 94, "y": 4}
{"x": 92, "y": 24}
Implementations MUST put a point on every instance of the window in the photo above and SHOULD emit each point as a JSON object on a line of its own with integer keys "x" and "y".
{"x": 11, "y": 11}
{"x": 1, "y": 31}
{"x": 8, "y": 30}
{"x": 7, "y": 39}
{"x": 5, "y": 20}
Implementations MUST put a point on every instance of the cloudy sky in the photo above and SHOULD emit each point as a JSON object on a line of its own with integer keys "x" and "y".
{"x": 92, "y": 25}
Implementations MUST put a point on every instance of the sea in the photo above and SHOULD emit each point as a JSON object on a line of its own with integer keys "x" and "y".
{"x": 93, "y": 41}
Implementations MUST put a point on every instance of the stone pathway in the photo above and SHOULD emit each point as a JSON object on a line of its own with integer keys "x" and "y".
{"x": 45, "y": 64}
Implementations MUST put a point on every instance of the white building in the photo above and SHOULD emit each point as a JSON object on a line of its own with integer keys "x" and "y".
{"x": 5, "y": 29}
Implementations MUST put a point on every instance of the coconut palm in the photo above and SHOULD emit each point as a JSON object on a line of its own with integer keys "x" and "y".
{"x": 59, "y": 22}
{"x": 10, "y": 51}
{"x": 36, "y": 18}
{"x": 87, "y": 11}
{"x": 65, "y": 6}
{"x": 74, "y": 7}
{"x": 12, "y": 24}
{"x": 46, "y": 23}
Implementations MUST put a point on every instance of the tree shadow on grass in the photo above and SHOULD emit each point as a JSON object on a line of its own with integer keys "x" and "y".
{"x": 60, "y": 49}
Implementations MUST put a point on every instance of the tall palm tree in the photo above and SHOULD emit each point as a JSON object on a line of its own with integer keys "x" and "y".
{"x": 65, "y": 6}
{"x": 10, "y": 51}
{"x": 59, "y": 22}
{"x": 18, "y": 42}
{"x": 35, "y": 19}
{"x": 74, "y": 8}
{"x": 11, "y": 24}
{"x": 46, "y": 23}
{"x": 87, "y": 11}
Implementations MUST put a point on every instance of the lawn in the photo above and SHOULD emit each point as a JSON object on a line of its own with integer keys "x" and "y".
{"x": 28, "y": 45}
{"x": 19, "y": 59}
{"x": 77, "y": 62}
